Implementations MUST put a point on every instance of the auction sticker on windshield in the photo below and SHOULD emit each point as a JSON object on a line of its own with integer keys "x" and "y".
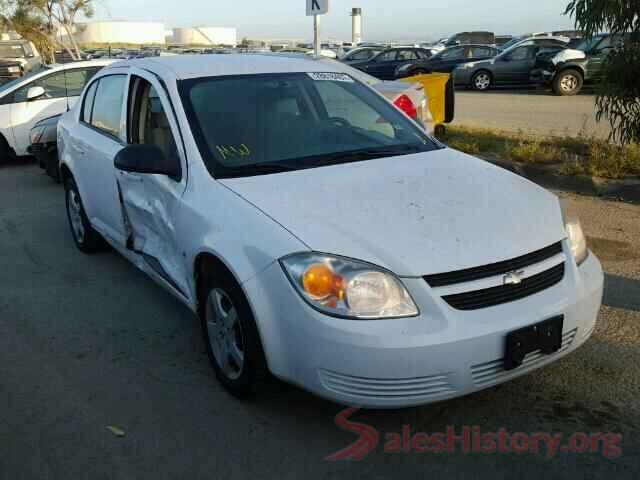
{"x": 333, "y": 77}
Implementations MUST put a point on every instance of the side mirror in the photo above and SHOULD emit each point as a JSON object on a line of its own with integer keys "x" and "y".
{"x": 34, "y": 93}
{"x": 147, "y": 159}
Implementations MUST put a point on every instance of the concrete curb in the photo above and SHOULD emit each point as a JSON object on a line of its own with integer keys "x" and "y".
{"x": 548, "y": 176}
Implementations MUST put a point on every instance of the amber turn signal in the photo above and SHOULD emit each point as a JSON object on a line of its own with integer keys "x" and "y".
{"x": 320, "y": 281}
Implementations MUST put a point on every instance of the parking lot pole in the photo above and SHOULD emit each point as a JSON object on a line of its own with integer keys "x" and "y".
{"x": 316, "y": 35}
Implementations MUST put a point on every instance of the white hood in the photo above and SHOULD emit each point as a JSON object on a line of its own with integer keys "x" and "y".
{"x": 415, "y": 215}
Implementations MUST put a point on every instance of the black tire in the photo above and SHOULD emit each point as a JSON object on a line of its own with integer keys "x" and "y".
{"x": 568, "y": 82}
{"x": 5, "y": 151}
{"x": 86, "y": 238}
{"x": 253, "y": 375}
{"x": 481, "y": 81}
{"x": 52, "y": 168}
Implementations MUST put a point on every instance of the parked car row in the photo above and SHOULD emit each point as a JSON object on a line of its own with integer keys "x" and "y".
{"x": 537, "y": 60}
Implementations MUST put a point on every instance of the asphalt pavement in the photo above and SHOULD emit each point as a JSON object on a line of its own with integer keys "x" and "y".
{"x": 530, "y": 111}
{"x": 103, "y": 375}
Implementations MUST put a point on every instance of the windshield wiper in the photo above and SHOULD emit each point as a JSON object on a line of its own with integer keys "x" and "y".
{"x": 257, "y": 169}
{"x": 356, "y": 155}
{"x": 313, "y": 161}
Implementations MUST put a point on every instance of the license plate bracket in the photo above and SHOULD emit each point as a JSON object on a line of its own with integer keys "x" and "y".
{"x": 545, "y": 336}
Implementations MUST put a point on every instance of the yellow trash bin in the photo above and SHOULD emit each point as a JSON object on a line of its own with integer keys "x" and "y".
{"x": 440, "y": 92}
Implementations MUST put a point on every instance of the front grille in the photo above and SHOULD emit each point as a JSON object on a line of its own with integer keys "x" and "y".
{"x": 4, "y": 72}
{"x": 419, "y": 387}
{"x": 493, "y": 269}
{"x": 490, "y": 297}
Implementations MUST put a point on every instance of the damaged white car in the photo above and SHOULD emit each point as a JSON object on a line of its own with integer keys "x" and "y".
{"x": 319, "y": 234}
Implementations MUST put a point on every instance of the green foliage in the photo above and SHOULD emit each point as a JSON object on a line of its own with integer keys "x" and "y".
{"x": 618, "y": 94}
{"x": 573, "y": 155}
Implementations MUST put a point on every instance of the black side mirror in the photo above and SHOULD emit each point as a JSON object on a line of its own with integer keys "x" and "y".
{"x": 146, "y": 159}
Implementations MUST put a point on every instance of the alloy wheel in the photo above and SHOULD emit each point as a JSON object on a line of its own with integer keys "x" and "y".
{"x": 225, "y": 333}
{"x": 569, "y": 83}
{"x": 75, "y": 215}
{"x": 482, "y": 81}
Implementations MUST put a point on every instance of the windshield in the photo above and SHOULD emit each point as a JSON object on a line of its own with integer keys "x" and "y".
{"x": 259, "y": 124}
{"x": 587, "y": 44}
{"x": 12, "y": 51}
{"x": 511, "y": 43}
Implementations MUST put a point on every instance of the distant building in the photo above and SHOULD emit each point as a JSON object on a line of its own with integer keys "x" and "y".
{"x": 204, "y": 36}
{"x": 110, "y": 32}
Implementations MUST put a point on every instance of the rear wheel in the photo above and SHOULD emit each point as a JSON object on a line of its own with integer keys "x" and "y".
{"x": 568, "y": 82}
{"x": 231, "y": 336}
{"x": 85, "y": 237}
{"x": 481, "y": 81}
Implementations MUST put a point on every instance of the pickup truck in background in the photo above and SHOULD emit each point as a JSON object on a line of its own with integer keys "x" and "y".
{"x": 17, "y": 57}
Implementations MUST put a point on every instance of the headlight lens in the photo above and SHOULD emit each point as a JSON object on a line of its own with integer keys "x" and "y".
{"x": 575, "y": 235}
{"x": 14, "y": 69}
{"x": 348, "y": 288}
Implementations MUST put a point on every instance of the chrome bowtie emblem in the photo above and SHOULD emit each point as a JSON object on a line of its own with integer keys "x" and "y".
{"x": 513, "y": 278}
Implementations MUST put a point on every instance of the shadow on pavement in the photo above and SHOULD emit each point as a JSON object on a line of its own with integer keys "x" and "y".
{"x": 622, "y": 292}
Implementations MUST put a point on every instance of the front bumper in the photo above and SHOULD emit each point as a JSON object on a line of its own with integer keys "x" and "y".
{"x": 440, "y": 354}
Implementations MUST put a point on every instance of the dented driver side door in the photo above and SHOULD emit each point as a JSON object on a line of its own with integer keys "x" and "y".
{"x": 150, "y": 203}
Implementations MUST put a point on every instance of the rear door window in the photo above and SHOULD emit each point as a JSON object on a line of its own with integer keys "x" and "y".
{"x": 107, "y": 106}
{"x": 404, "y": 55}
{"x": 389, "y": 56}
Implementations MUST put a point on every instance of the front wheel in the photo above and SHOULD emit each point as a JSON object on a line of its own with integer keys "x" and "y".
{"x": 568, "y": 82}
{"x": 481, "y": 81}
{"x": 231, "y": 336}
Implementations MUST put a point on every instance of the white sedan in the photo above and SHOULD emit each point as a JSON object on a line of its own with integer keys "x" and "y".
{"x": 40, "y": 94}
{"x": 319, "y": 234}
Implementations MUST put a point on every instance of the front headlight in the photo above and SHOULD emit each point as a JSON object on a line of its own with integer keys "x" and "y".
{"x": 575, "y": 235}
{"x": 348, "y": 288}
{"x": 14, "y": 69}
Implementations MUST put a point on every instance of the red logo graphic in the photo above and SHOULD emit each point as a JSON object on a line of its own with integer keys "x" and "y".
{"x": 362, "y": 447}
{"x": 470, "y": 439}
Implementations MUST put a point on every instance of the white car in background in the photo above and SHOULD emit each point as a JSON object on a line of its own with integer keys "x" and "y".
{"x": 39, "y": 94}
{"x": 321, "y": 235}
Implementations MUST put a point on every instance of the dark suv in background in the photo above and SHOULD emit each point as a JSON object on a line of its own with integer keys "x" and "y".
{"x": 568, "y": 70}
{"x": 384, "y": 64}
{"x": 512, "y": 67}
{"x": 447, "y": 60}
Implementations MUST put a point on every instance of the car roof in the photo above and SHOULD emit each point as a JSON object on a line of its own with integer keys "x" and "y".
{"x": 183, "y": 67}
{"x": 99, "y": 62}
{"x": 483, "y": 45}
